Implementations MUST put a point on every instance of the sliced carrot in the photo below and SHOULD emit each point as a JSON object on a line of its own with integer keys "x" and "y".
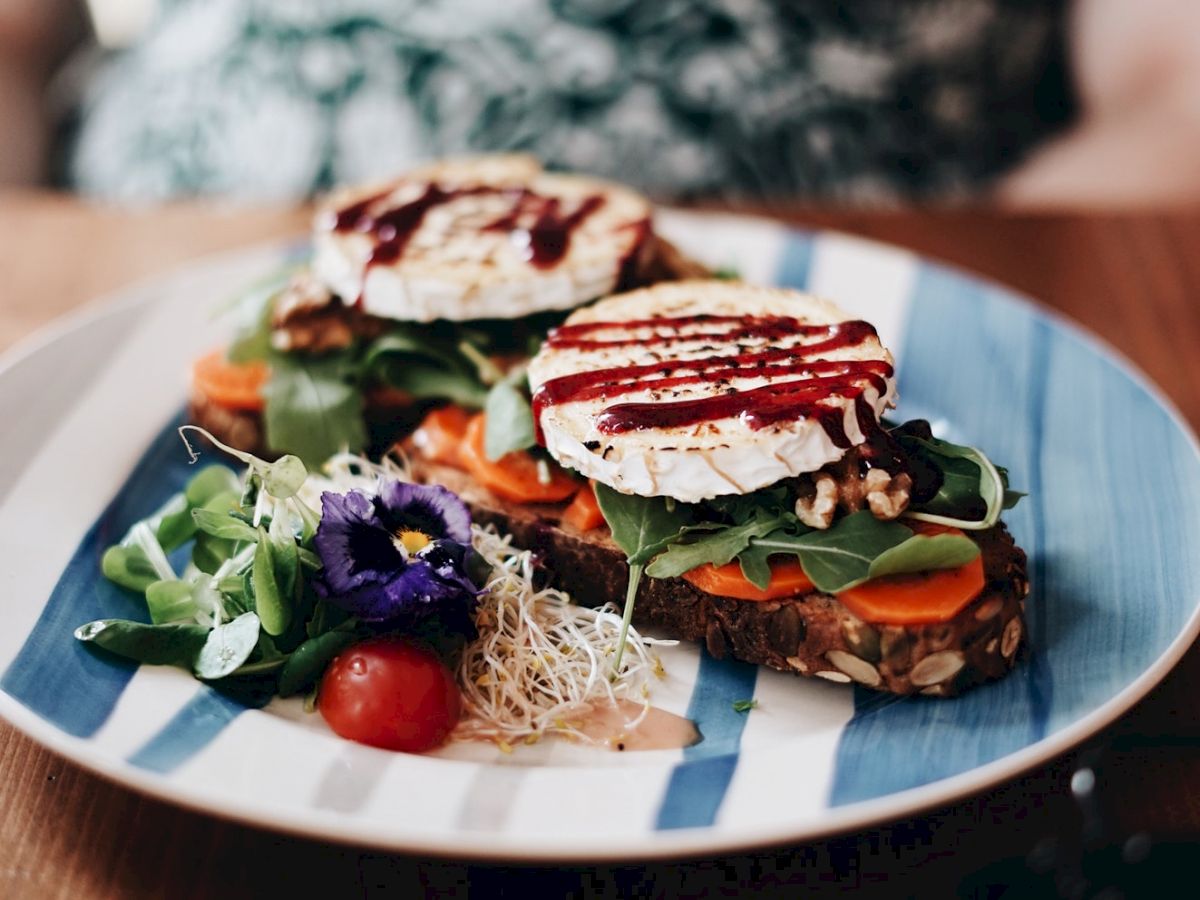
{"x": 787, "y": 580}
{"x": 917, "y": 599}
{"x": 440, "y": 436}
{"x": 516, "y": 476}
{"x": 921, "y": 598}
{"x": 584, "y": 512}
{"x": 229, "y": 384}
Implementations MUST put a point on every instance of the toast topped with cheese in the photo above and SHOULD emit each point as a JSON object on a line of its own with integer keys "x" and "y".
{"x": 715, "y": 456}
{"x": 422, "y": 290}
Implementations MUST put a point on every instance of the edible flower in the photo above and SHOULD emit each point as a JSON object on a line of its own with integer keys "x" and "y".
{"x": 399, "y": 555}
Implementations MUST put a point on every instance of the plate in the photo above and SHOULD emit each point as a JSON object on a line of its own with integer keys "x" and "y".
{"x": 1110, "y": 524}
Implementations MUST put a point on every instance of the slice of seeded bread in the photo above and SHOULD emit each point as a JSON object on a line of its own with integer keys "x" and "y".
{"x": 811, "y": 634}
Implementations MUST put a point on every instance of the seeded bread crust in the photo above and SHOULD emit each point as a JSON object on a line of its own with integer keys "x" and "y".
{"x": 655, "y": 260}
{"x": 812, "y": 634}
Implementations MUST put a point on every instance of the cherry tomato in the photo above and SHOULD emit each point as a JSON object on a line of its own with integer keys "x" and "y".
{"x": 392, "y": 693}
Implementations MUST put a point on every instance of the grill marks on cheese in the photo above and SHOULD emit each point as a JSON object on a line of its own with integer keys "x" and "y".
{"x": 700, "y": 378}
{"x": 799, "y": 382}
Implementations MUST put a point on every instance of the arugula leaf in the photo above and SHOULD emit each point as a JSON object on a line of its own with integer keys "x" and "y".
{"x": 716, "y": 547}
{"x": 641, "y": 526}
{"x": 754, "y": 561}
{"x": 973, "y": 490}
{"x": 313, "y": 408}
{"x": 923, "y": 552}
{"x": 415, "y": 361}
{"x": 156, "y": 645}
{"x": 841, "y": 556}
{"x": 744, "y": 705}
{"x": 509, "y": 418}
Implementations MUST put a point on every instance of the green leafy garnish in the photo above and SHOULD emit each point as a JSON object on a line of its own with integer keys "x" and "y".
{"x": 973, "y": 490}
{"x": 642, "y": 527}
{"x": 743, "y": 706}
{"x": 313, "y": 406}
{"x": 306, "y": 663}
{"x": 227, "y": 647}
{"x": 241, "y": 607}
{"x": 156, "y": 645}
{"x": 509, "y": 422}
{"x": 412, "y": 360}
{"x": 716, "y": 547}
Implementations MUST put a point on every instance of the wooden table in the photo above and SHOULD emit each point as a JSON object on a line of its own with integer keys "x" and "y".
{"x": 1134, "y": 280}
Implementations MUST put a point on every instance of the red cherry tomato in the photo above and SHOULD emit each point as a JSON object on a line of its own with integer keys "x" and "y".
{"x": 392, "y": 693}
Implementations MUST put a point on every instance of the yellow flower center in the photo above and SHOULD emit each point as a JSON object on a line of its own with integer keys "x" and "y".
{"x": 412, "y": 541}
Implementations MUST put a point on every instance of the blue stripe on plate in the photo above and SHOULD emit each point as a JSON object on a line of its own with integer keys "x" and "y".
{"x": 56, "y": 676}
{"x": 698, "y": 784}
{"x": 195, "y": 726}
{"x": 1075, "y": 431}
{"x": 795, "y": 260}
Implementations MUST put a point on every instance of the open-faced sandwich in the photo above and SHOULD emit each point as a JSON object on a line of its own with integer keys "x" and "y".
{"x": 714, "y": 456}
{"x": 428, "y": 288}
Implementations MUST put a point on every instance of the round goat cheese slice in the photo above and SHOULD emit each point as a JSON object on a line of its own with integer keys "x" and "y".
{"x": 697, "y": 389}
{"x": 476, "y": 238}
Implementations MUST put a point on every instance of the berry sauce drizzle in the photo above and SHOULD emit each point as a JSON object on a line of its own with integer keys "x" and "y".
{"x": 803, "y": 385}
{"x": 537, "y": 223}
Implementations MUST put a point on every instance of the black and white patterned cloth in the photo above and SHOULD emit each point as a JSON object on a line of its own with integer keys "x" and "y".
{"x": 871, "y": 101}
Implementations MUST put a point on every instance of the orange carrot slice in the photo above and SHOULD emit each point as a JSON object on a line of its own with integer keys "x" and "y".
{"x": 787, "y": 580}
{"x": 584, "y": 512}
{"x": 440, "y": 436}
{"x": 229, "y": 384}
{"x": 516, "y": 476}
{"x": 920, "y": 598}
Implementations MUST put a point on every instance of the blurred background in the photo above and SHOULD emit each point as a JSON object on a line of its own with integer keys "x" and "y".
{"x": 1032, "y": 103}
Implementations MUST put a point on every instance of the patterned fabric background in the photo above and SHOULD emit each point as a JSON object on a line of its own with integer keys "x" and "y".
{"x": 874, "y": 102}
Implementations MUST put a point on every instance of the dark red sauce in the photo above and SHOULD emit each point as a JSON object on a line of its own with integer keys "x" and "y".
{"x": 547, "y": 232}
{"x": 788, "y": 399}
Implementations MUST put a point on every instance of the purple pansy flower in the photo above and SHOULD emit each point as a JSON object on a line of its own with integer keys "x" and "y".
{"x": 400, "y": 554}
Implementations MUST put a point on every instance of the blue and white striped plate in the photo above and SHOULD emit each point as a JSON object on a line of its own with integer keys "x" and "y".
{"x": 1111, "y": 526}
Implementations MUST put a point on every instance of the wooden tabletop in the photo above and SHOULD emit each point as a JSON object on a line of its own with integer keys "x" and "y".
{"x": 1133, "y": 280}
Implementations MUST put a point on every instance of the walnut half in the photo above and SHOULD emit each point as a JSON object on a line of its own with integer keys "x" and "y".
{"x": 821, "y": 494}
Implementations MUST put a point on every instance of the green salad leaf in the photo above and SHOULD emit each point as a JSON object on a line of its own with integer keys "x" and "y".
{"x": 412, "y": 360}
{"x": 716, "y": 547}
{"x": 973, "y": 490}
{"x": 922, "y": 553}
{"x": 156, "y": 645}
{"x": 306, "y": 663}
{"x": 509, "y": 422}
{"x": 313, "y": 406}
{"x": 642, "y": 526}
{"x": 227, "y": 647}
{"x": 840, "y": 556}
